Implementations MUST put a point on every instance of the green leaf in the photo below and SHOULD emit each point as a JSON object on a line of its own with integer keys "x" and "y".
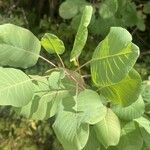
{"x": 141, "y": 21}
{"x": 143, "y": 122}
{"x": 93, "y": 142}
{"x": 48, "y": 104}
{"x": 82, "y": 109}
{"x": 89, "y": 103}
{"x": 113, "y": 58}
{"x": 108, "y": 8}
{"x": 16, "y": 88}
{"x": 130, "y": 16}
{"x": 131, "y": 112}
{"x": 146, "y": 8}
{"x": 131, "y": 138}
{"x": 52, "y": 44}
{"x": 68, "y": 9}
{"x": 55, "y": 79}
{"x": 18, "y": 47}
{"x": 40, "y": 87}
{"x": 146, "y": 138}
{"x": 68, "y": 131}
{"x": 49, "y": 94}
{"x": 82, "y": 33}
{"x": 46, "y": 100}
{"x": 124, "y": 92}
{"x": 108, "y": 130}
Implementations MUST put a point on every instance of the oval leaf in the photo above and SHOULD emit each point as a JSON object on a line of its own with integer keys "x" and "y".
{"x": 113, "y": 58}
{"x": 108, "y": 8}
{"x": 18, "y": 47}
{"x": 68, "y": 9}
{"x": 82, "y": 109}
{"x": 108, "y": 130}
{"x": 16, "y": 88}
{"x": 52, "y": 44}
{"x": 89, "y": 103}
{"x": 71, "y": 134}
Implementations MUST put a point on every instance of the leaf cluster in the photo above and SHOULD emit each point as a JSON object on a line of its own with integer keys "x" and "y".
{"x": 111, "y": 115}
{"x": 107, "y": 13}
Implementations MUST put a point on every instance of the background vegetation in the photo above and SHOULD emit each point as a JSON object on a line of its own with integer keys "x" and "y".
{"x": 61, "y": 17}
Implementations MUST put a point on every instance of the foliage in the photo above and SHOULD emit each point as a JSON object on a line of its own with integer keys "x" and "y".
{"x": 81, "y": 112}
{"x": 107, "y": 13}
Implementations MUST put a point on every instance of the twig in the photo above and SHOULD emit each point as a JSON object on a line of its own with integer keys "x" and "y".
{"x": 88, "y": 62}
{"x": 144, "y": 53}
{"x": 86, "y": 76}
{"x": 47, "y": 61}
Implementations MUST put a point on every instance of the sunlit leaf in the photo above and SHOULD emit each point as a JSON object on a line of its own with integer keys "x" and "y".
{"x": 52, "y": 44}
{"x": 113, "y": 58}
{"x": 124, "y": 92}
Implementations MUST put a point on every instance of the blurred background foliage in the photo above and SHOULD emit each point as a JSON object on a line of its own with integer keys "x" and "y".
{"x": 61, "y": 17}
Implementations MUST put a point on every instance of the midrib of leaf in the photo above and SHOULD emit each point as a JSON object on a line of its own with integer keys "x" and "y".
{"x": 18, "y": 49}
{"x": 111, "y": 85}
{"x": 115, "y": 55}
{"x": 52, "y": 45}
{"x": 23, "y": 82}
{"x": 9, "y": 87}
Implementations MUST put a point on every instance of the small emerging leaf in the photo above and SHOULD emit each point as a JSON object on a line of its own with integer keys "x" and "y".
{"x": 52, "y": 44}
